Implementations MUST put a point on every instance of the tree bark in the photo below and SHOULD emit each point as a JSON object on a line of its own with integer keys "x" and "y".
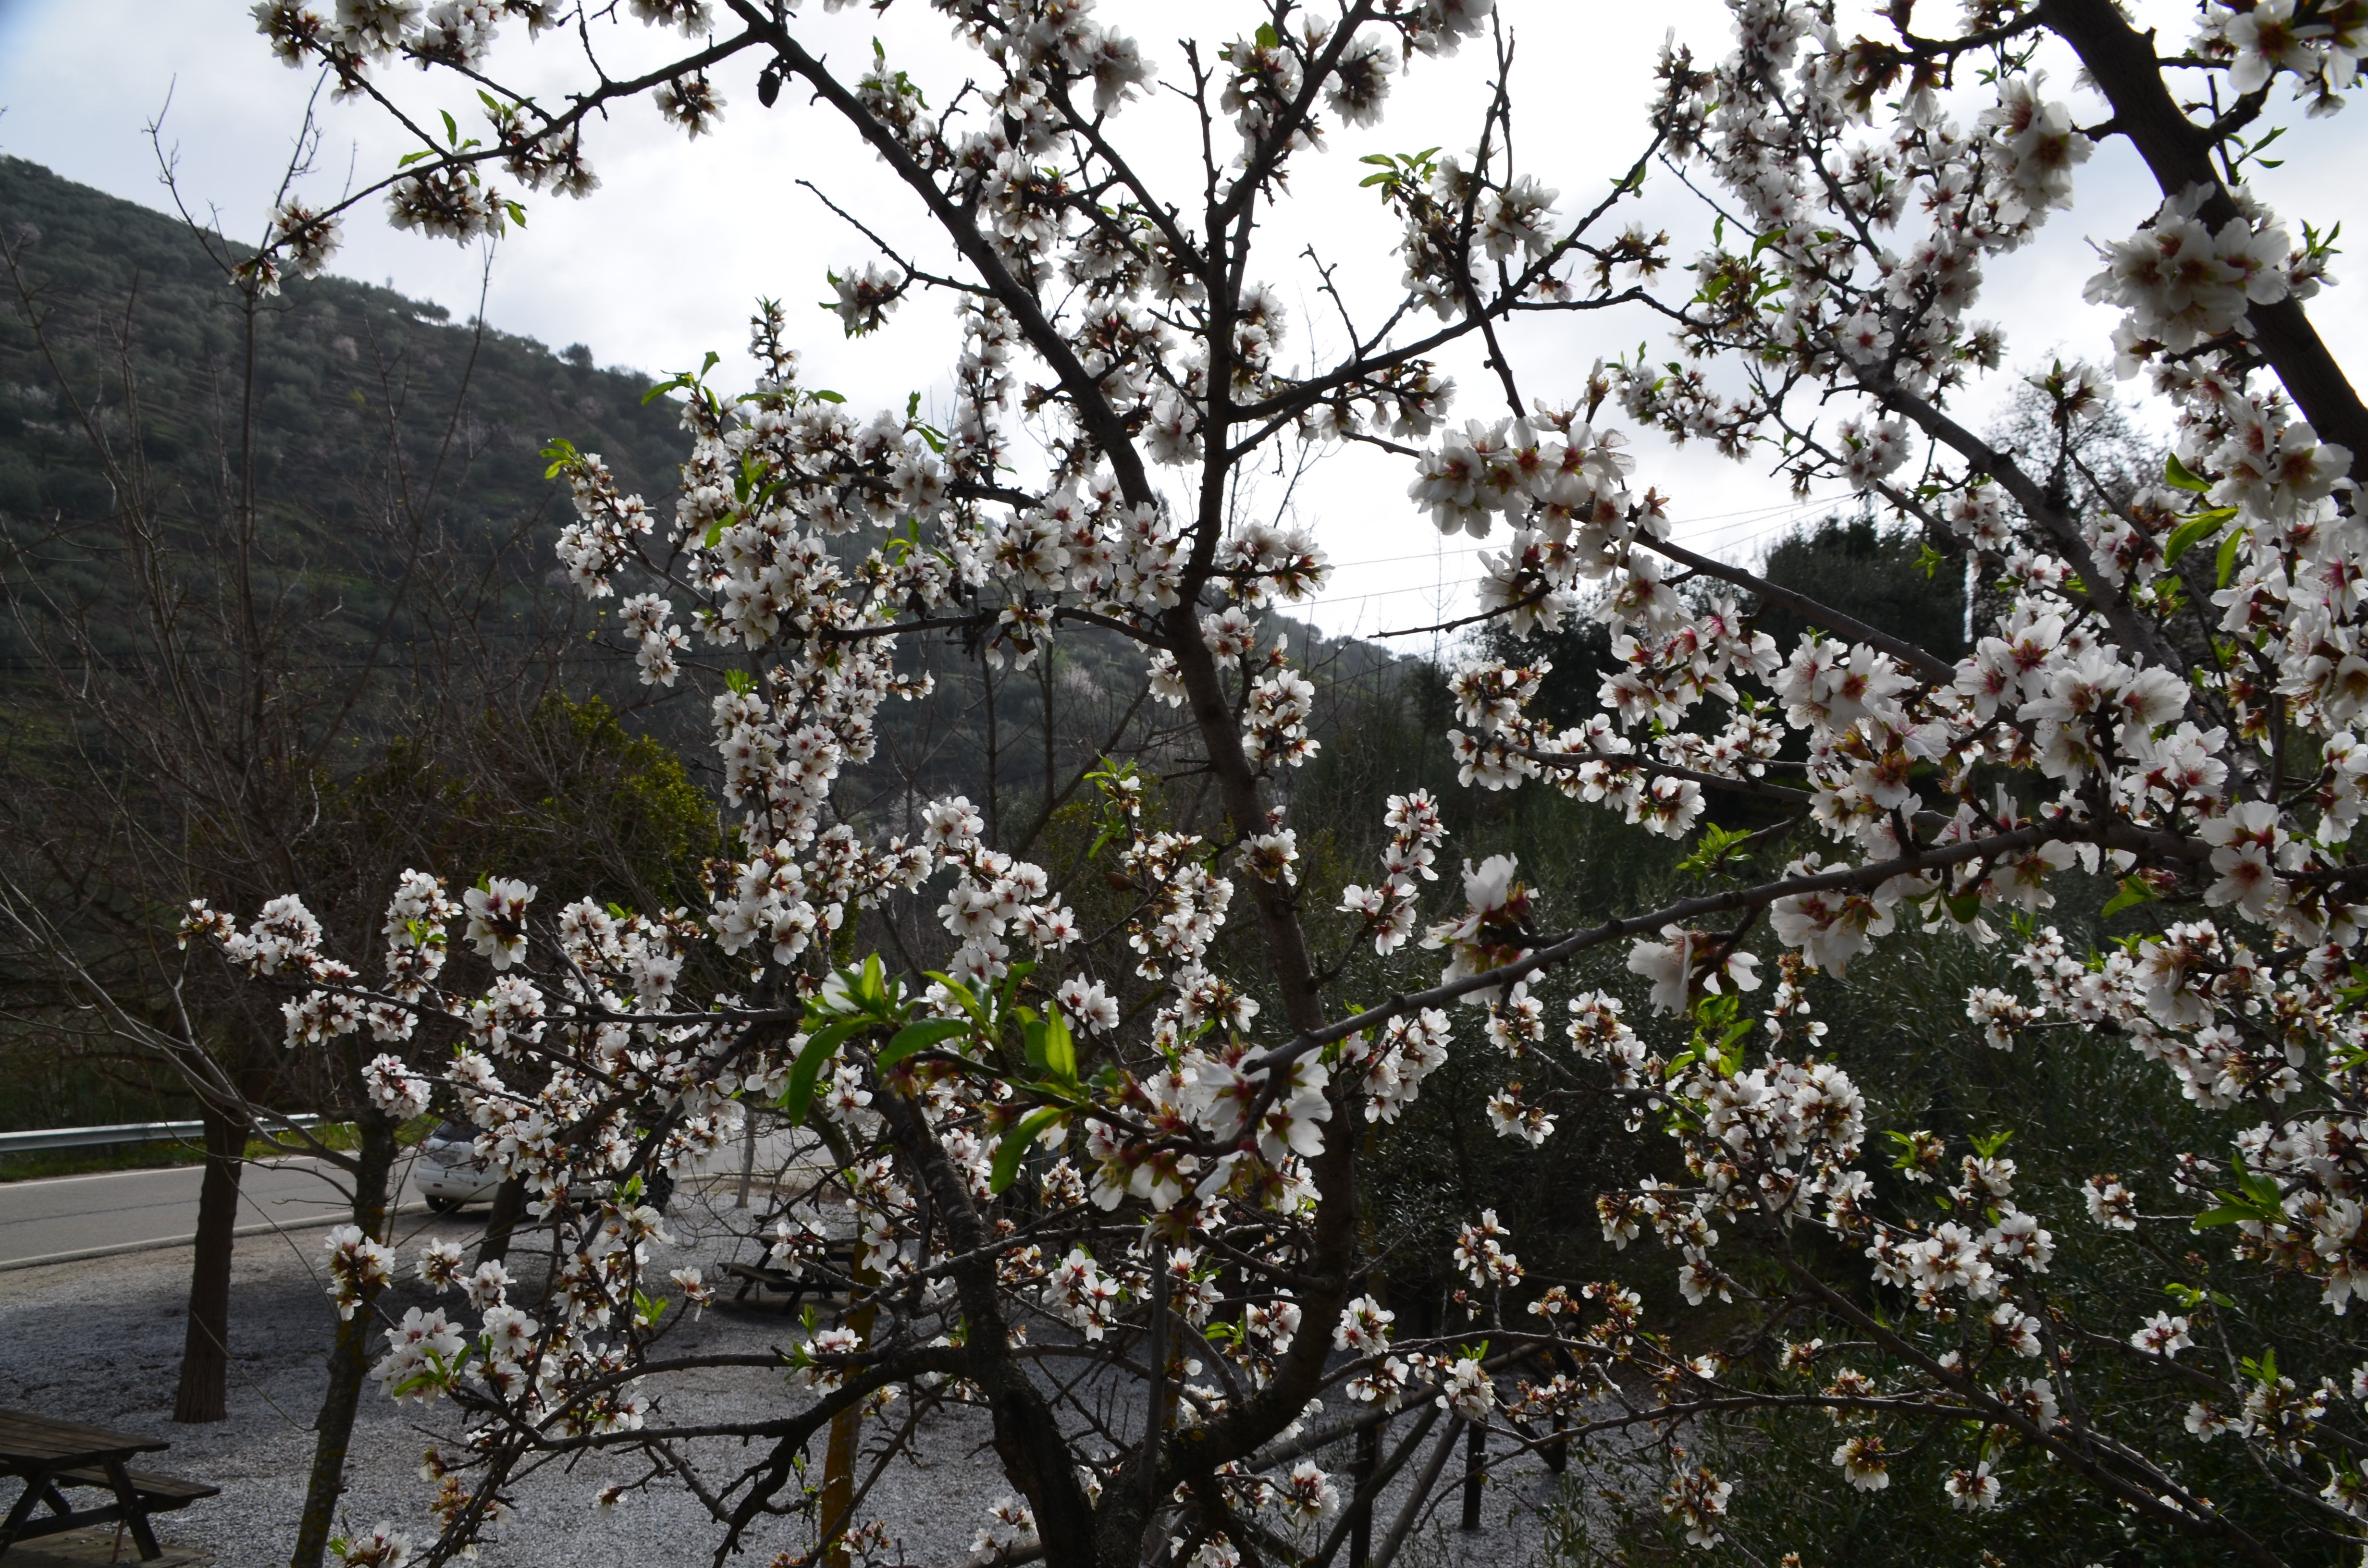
{"x": 349, "y": 1355}
{"x": 2178, "y": 153}
{"x": 205, "y": 1345}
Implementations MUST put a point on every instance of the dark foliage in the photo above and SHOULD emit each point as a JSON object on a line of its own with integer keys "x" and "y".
{"x": 1887, "y": 578}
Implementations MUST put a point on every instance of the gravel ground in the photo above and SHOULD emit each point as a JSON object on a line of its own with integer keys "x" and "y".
{"x": 99, "y": 1342}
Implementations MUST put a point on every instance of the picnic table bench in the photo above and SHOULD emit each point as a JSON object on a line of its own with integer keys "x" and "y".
{"x": 51, "y": 1456}
{"x": 823, "y": 1275}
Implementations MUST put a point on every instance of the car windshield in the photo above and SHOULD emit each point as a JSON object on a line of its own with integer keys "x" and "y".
{"x": 454, "y": 1132}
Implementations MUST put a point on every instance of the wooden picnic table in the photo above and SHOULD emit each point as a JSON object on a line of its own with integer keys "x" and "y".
{"x": 49, "y": 1455}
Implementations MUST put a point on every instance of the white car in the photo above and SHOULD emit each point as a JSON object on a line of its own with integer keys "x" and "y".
{"x": 449, "y": 1172}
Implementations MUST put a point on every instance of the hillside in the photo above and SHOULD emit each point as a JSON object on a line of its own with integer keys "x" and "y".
{"x": 342, "y": 365}
{"x": 337, "y": 362}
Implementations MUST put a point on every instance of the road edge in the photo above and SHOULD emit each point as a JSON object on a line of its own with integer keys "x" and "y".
{"x": 158, "y": 1244}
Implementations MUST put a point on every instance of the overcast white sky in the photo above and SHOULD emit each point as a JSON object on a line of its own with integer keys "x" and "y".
{"x": 663, "y": 262}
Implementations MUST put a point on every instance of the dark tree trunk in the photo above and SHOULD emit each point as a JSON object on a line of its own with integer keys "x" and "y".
{"x": 509, "y": 1204}
{"x": 349, "y": 1355}
{"x": 205, "y": 1348}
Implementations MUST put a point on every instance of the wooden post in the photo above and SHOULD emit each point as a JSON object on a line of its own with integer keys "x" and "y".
{"x": 1360, "y": 1530}
{"x": 1411, "y": 1509}
{"x": 1558, "y": 1451}
{"x": 846, "y": 1435}
{"x": 748, "y": 1158}
{"x": 1475, "y": 1461}
{"x": 1155, "y": 1422}
{"x": 509, "y": 1207}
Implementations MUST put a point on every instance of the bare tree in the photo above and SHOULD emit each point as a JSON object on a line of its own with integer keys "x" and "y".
{"x": 207, "y": 717}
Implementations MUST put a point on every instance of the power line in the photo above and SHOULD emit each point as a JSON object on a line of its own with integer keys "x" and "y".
{"x": 1757, "y": 519}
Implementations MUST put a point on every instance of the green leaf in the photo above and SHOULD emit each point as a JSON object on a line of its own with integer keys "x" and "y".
{"x": 1963, "y": 908}
{"x": 1015, "y": 1144}
{"x": 2193, "y": 531}
{"x": 1716, "y": 847}
{"x": 1011, "y": 983}
{"x": 740, "y": 681}
{"x": 1060, "y": 1047}
{"x": 827, "y": 397}
{"x": 2134, "y": 892}
{"x": 451, "y": 130}
{"x": 410, "y": 158}
{"x": 819, "y": 1045}
{"x": 2230, "y": 1215}
{"x": 919, "y": 1036}
{"x": 2227, "y": 561}
{"x": 869, "y": 984}
{"x": 2177, "y": 474}
{"x": 1728, "y": 1056}
{"x": 1267, "y": 38}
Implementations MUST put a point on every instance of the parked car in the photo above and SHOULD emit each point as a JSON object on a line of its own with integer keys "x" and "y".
{"x": 450, "y": 1172}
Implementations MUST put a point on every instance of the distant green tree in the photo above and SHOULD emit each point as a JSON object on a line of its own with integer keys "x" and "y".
{"x": 1887, "y": 578}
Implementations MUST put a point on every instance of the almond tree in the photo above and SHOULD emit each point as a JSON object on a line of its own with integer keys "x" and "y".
{"x": 2181, "y": 716}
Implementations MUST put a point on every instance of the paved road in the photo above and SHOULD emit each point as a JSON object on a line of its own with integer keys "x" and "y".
{"x": 118, "y": 1210}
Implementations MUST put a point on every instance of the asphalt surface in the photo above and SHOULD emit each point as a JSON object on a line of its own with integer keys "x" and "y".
{"x": 62, "y": 1218}
{"x": 99, "y": 1341}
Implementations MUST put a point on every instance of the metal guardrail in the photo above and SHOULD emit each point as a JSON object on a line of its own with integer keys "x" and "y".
{"x": 122, "y": 1132}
